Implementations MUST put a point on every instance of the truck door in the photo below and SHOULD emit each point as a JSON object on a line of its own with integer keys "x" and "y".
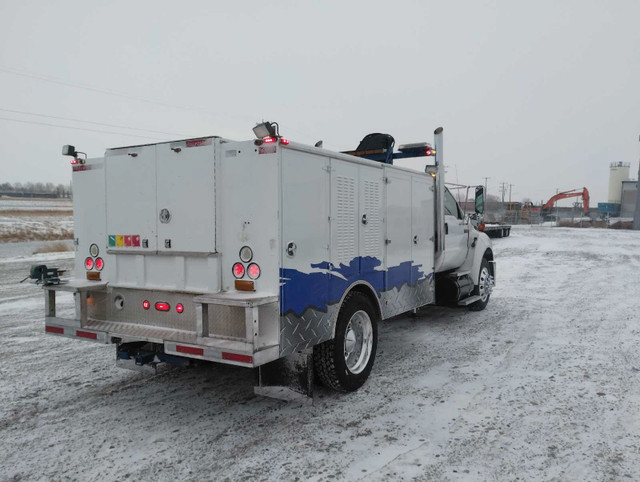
{"x": 456, "y": 234}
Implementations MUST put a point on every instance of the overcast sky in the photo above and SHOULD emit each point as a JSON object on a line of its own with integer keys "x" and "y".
{"x": 539, "y": 94}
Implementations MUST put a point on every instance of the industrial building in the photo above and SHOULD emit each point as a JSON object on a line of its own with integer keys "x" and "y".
{"x": 621, "y": 199}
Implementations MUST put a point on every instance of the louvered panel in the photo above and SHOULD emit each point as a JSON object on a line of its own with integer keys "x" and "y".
{"x": 373, "y": 231}
{"x": 345, "y": 219}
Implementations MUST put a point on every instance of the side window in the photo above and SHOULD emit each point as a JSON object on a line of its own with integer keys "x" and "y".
{"x": 450, "y": 205}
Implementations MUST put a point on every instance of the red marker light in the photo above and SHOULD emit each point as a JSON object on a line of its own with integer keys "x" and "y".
{"x": 88, "y": 263}
{"x": 253, "y": 270}
{"x": 284, "y": 142}
{"x": 99, "y": 264}
{"x": 429, "y": 152}
{"x": 146, "y": 305}
{"x": 162, "y": 306}
{"x": 269, "y": 140}
{"x": 179, "y": 308}
{"x": 238, "y": 270}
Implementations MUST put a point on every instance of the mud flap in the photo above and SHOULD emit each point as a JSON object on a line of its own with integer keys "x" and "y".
{"x": 289, "y": 378}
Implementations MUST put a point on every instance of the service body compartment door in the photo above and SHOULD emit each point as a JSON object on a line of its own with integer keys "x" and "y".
{"x": 422, "y": 210}
{"x": 305, "y": 234}
{"x": 131, "y": 198}
{"x": 399, "y": 233}
{"x": 186, "y": 197}
{"x": 371, "y": 213}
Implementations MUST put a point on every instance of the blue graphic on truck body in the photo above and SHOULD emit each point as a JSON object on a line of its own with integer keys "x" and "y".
{"x": 319, "y": 289}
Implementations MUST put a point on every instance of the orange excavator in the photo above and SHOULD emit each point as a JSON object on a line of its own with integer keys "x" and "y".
{"x": 563, "y": 195}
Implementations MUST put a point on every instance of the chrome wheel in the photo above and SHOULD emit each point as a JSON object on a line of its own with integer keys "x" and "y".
{"x": 358, "y": 342}
{"x": 485, "y": 284}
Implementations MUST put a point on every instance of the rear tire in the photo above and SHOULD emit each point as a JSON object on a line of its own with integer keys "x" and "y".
{"x": 483, "y": 288}
{"x": 345, "y": 362}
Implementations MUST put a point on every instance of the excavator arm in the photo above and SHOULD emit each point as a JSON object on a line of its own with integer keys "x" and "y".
{"x": 573, "y": 193}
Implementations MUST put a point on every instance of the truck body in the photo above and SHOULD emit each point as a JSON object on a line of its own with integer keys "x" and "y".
{"x": 248, "y": 252}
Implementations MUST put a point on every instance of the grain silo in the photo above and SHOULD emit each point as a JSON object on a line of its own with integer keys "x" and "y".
{"x": 618, "y": 172}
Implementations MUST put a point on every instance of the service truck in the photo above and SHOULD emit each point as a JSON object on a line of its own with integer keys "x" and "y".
{"x": 256, "y": 252}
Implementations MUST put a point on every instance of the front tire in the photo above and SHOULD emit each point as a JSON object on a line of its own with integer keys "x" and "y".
{"x": 345, "y": 362}
{"x": 483, "y": 288}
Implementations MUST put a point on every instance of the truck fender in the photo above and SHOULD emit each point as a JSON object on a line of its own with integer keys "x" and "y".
{"x": 362, "y": 287}
{"x": 482, "y": 251}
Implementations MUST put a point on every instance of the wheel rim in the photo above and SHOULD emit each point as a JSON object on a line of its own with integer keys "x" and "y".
{"x": 485, "y": 284}
{"x": 358, "y": 342}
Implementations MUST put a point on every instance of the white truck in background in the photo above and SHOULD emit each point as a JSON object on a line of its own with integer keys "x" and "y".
{"x": 260, "y": 252}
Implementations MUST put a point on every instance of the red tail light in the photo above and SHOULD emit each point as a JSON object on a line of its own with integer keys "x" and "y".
{"x": 99, "y": 264}
{"x": 162, "y": 306}
{"x": 269, "y": 140}
{"x": 284, "y": 142}
{"x": 481, "y": 227}
{"x": 88, "y": 263}
{"x": 253, "y": 270}
{"x": 179, "y": 308}
{"x": 238, "y": 270}
{"x": 146, "y": 305}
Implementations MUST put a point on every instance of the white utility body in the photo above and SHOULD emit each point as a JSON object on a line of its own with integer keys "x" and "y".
{"x": 250, "y": 252}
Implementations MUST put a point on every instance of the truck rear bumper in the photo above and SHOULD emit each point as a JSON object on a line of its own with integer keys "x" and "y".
{"x": 258, "y": 345}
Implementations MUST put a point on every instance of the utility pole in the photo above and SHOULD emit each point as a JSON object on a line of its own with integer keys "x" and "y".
{"x": 636, "y": 215}
{"x": 503, "y": 190}
{"x": 510, "y": 186}
{"x": 485, "y": 186}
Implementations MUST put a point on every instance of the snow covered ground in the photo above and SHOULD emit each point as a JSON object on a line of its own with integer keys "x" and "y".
{"x": 542, "y": 385}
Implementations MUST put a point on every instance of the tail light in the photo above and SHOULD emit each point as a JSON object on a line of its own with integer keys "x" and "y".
{"x": 253, "y": 270}
{"x": 88, "y": 263}
{"x": 284, "y": 142}
{"x": 179, "y": 308}
{"x": 99, "y": 264}
{"x": 238, "y": 270}
{"x": 146, "y": 305}
{"x": 162, "y": 306}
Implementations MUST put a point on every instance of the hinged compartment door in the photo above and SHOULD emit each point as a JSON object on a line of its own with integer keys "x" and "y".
{"x": 186, "y": 197}
{"x": 131, "y": 198}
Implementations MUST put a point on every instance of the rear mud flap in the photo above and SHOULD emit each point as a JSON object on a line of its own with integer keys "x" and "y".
{"x": 289, "y": 378}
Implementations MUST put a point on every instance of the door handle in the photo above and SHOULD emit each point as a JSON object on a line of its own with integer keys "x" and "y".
{"x": 446, "y": 228}
{"x": 415, "y": 239}
{"x": 364, "y": 219}
{"x": 291, "y": 249}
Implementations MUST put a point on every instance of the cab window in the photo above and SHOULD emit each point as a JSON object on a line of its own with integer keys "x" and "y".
{"x": 451, "y": 206}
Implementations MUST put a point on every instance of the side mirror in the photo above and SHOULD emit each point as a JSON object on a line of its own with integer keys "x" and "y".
{"x": 479, "y": 199}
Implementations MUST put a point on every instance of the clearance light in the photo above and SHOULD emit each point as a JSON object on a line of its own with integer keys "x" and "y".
{"x": 284, "y": 142}
{"x": 99, "y": 264}
{"x": 146, "y": 305}
{"x": 481, "y": 227}
{"x": 88, "y": 263}
{"x": 179, "y": 308}
{"x": 269, "y": 140}
{"x": 162, "y": 306}
{"x": 253, "y": 270}
{"x": 238, "y": 270}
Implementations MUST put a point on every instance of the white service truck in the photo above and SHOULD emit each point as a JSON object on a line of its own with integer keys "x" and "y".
{"x": 255, "y": 252}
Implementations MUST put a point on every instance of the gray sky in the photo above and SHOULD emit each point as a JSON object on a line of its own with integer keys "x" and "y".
{"x": 542, "y": 94}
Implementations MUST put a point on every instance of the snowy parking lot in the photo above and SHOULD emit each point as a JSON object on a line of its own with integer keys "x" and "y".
{"x": 543, "y": 384}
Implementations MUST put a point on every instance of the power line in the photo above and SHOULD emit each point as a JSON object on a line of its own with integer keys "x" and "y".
{"x": 90, "y": 88}
{"x": 79, "y": 128}
{"x": 89, "y": 122}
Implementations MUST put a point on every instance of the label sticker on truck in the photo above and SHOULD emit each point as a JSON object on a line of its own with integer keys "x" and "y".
{"x": 126, "y": 240}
